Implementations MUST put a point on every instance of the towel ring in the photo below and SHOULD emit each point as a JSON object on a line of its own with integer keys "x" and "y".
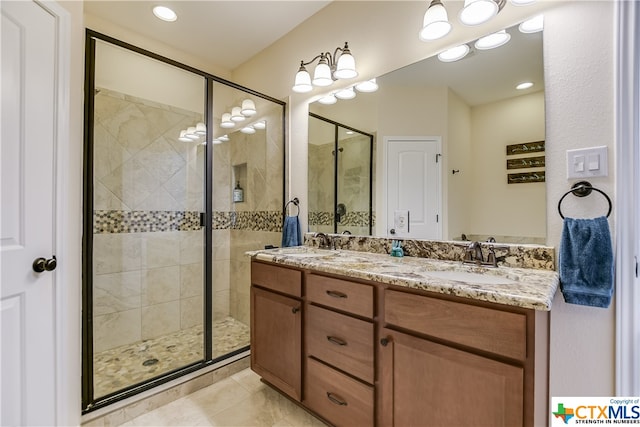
{"x": 296, "y": 202}
{"x": 583, "y": 189}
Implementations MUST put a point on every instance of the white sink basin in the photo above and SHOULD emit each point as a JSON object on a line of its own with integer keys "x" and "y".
{"x": 468, "y": 277}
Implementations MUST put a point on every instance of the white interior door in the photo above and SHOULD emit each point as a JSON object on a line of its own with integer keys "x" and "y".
{"x": 414, "y": 186}
{"x": 28, "y": 183}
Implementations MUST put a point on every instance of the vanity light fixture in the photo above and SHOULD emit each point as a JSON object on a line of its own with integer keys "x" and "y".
{"x": 248, "y": 108}
{"x": 347, "y": 93}
{"x": 476, "y": 12}
{"x": 524, "y": 85}
{"x": 454, "y": 54}
{"x": 217, "y": 141}
{"x": 329, "y": 68}
{"x": 435, "y": 23}
{"x": 226, "y": 121}
{"x": 367, "y": 86}
{"x": 224, "y": 138}
{"x": 328, "y": 99}
{"x": 532, "y": 25}
{"x": 493, "y": 40}
{"x": 191, "y": 133}
{"x": 248, "y": 130}
{"x": 164, "y": 13}
{"x": 261, "y": 125}
{"x": 522, "y": 2}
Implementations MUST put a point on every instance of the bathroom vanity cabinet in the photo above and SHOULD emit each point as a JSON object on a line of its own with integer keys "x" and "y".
{"x": 379, "y": 354}
{"x": 276, "y": 326}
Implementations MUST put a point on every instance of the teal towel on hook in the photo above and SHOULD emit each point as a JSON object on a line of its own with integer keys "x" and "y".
{"x": 586, "y": 262}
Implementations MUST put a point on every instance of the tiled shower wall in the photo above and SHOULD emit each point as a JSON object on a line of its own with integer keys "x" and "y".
{"x": 148, "y": 244}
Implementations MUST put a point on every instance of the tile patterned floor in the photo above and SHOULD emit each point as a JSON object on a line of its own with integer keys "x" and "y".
{"x": 130, "y": 364}
{"x": 240, "y": 400}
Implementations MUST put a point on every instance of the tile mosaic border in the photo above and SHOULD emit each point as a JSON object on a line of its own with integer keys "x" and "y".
{"x": 354, "y": 219}
{"x": 114, "y": 222}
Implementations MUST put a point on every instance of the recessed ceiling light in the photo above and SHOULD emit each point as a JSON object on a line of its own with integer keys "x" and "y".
{"x": 164, "y": 13}
{"x": 524, "y": 85}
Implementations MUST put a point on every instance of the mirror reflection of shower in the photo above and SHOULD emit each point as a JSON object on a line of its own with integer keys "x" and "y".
{"x": 340, "y": 187}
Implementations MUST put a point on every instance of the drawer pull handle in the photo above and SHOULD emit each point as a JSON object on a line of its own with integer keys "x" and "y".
{"x": 336, "y": 399}
{"x": 336, "y": 294}
{"x": 336, "y": 341}
{"x": 294, "y": 310}
{"x": 384, "y": 342}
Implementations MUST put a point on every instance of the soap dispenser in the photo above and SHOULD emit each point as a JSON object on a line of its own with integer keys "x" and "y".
{"x": 238, "y": 193}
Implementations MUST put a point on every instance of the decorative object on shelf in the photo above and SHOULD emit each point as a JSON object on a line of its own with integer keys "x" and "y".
{"x": 330, "y": 67}
{"x": 526, "y": 162}
{"x": 522, "y": 178}
{"x": 238, "y": 193}
{"x": 527, "y": 147}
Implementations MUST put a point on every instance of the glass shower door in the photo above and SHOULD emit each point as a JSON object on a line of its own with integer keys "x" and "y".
{"x": 148, "y": 242}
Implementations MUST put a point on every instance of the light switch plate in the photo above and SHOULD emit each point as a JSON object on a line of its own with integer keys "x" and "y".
{"x": 587, "y": 162}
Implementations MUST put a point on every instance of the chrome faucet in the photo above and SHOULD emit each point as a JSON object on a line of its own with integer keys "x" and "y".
{"x": 473, "y": 255}
{"x": 324, "y": 240}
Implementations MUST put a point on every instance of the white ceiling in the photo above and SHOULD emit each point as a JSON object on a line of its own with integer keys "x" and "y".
{"x": 225, "y": 33}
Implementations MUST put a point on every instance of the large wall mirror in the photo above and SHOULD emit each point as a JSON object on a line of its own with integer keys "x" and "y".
{"x": 473, "y": 106}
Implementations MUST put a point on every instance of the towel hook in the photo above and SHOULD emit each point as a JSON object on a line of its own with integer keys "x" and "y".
{"x": 295, "y": 202}
{"x": 582, "y": 189}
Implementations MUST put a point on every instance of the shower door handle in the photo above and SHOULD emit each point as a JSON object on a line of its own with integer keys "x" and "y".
{"x": 42, "y": 264}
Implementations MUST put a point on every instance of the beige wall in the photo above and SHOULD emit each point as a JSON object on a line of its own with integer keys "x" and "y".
{"x": 495, "y": 207}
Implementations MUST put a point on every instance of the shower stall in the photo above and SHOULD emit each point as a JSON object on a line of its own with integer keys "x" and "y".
{"x": 340, "y": 178}
{"x": 166, "y": 282}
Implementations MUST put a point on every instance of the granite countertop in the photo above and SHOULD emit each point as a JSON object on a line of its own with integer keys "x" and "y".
{"x": 521, "y": 287}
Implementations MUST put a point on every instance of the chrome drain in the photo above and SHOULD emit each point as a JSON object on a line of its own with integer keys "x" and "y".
{"x": 150, "y": 362}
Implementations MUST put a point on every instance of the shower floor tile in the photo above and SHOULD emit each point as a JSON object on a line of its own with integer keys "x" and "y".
{"x": 131, "y": 364}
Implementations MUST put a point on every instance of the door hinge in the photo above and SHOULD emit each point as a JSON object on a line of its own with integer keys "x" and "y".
{"x": 437, "y": 218}
{"x": 437, "y": 157}
{"x": 636, "y": 266}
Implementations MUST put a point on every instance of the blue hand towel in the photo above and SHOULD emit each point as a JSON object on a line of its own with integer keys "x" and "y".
{"x": 291, "y": 233}
{"x": 586, "y": 262}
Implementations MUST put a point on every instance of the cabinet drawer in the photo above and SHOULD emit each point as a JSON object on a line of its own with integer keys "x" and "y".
{"x": 277, "y": 278}
{"x": 348, "y": 296}
{"x": 496, "y": 331}
{"x": 341, "y": 341}
{"x": 339, "y": 399}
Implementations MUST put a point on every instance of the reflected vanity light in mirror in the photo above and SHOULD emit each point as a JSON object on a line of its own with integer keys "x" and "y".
{"x": 347, "y": 93}
{"x": 183, "y": 136}
{"x": 224, "y": 138}
{"x": 191, "y": 133}
{"x": 248, "y": 108}
{"x": 367, "y": 86}
{"x": 164, "y": 13}
{"x": 201, "y": 129}
{"x": 236, "y": 114}
{"x": 454, "y": 54}
{"x": 260, "y": 125}
{"x": 532, "y": 25}
{"x": 493, "y": 40}
{"x": 248, "y": 130}
{"x": 435, "y": 23}
{"x": 328, "y": 99}
{"x": 226, "y": 121}
{"x": 216, "y": 141}
{"x": 522, "y": 2}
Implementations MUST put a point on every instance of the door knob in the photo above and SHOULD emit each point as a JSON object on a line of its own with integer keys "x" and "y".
{"x": 43, "y": 264}
{"x": 392, "y": 231}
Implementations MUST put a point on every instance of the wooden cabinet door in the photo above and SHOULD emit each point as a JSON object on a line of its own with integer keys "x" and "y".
{"x": 427, "y": 384}
{"x": 276, "y": 352}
